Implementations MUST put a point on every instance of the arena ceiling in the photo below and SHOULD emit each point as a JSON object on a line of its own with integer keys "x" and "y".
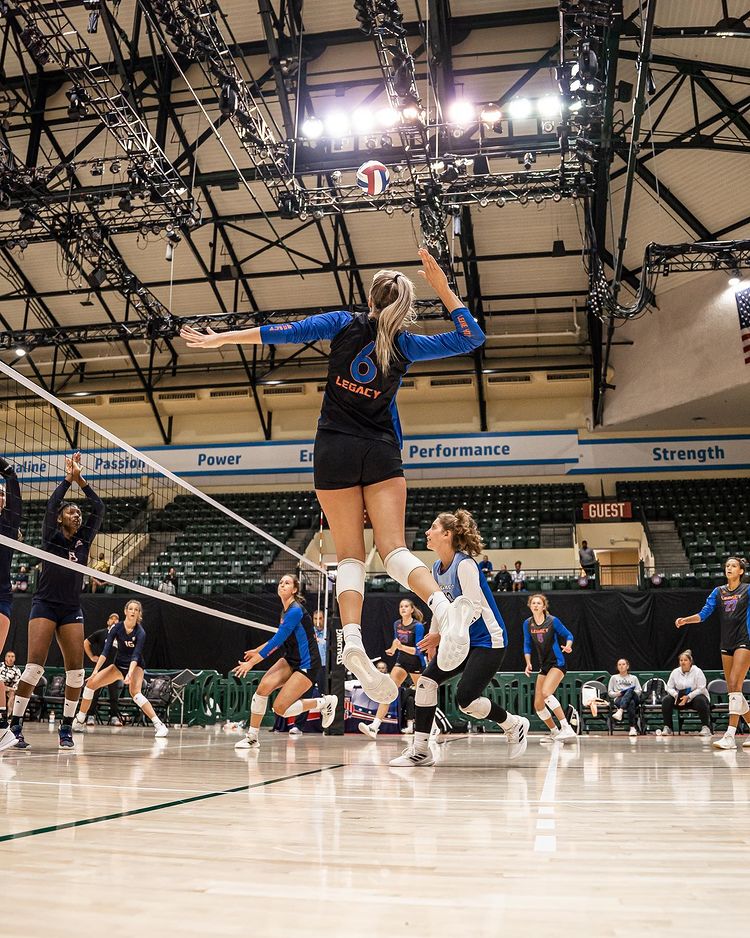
{"x": 522, "y": 265}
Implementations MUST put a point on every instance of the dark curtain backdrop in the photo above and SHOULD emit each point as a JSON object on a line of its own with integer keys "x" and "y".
{"x": 606, "y": 626}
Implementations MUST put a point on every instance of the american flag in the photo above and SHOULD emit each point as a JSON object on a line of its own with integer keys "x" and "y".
{"x": 743, "y": 310}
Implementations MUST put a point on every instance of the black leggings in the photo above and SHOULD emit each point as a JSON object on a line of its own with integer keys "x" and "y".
{"x": 699, "y": 703}
{"x": 476, "y": 672}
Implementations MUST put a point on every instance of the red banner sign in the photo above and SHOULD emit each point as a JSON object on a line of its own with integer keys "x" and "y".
{"x": 607, "y": 511}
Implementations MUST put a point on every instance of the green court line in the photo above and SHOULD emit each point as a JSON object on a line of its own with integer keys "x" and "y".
{"x": 159, "y": 807}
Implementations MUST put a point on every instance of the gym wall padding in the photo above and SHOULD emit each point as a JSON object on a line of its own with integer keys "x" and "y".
{"x": 606, "y": 626}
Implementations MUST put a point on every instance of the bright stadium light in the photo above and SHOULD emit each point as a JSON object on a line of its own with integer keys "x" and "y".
{"x": 337, "y": 124}
{"x": 312, "y": 128}
{"x": 462, "y": 113}
{"x": 363, "y": 120}
{"x": 519, "y": 109}
{"x": 548, "y": 106}
{"x": 388, "y": 117}
{"x": 491, "y": 115}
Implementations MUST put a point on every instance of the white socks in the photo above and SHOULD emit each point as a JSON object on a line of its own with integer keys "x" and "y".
{"x": 508, "y": 723}
{"x": 421, "y": 742}
{"x": 731, "y": 730}
{"x": 19, "y": 705}
{"x": 376, "y": 724}
{"x": 438, "y": 604}
{"x": 353, "y": 632}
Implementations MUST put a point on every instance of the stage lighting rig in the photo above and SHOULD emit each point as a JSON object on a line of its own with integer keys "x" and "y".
{"x": 94, "y": 8}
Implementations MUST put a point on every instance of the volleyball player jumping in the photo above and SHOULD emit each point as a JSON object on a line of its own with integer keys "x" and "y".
{"x": 357, "y": 456}
{"x": 295, "y": 672}
{"x": 456, "y": 541}
{"x": 122, "y": 660}
{"x": 733, "y": 607}
{"x": 56, "y": 606}
{"x": 10, "y": 520}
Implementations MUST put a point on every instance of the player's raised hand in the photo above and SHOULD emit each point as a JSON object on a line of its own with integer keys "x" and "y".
{"x": 196, "y": 339}
{"x": 432, "y": 272}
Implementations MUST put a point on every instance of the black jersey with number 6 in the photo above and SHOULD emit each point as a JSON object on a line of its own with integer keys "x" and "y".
{"x": 359, "y": 399}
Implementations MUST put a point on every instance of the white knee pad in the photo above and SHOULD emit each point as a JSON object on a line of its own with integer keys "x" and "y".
{"x": 737, "y": 703}
{"x": 350, "y": 576}
{"x": 544, "y": 714}
{"x": 32, "y": 674}
{"x": 426, "y": 694}
{"x": 140, "y": 700}
{"x": 258, "y": 704}
{"x": 75, "y": 678}
{"x": 88, "y": 694}
{"x": 400, "y": 564}
{"x": 479, "y": 708}
{"x": 552, "y": 702}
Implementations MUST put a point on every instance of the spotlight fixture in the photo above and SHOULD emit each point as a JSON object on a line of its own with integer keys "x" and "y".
{"x": 363, "y": 16}
{"x": 312, "y": 128}
{"x": 386, "y": 141}
{"x": 97, "y": 168}
{"x": 450, "y": 173}
{"x": 519, "y": 109}
{"x": 98, "y": 275}
{"x": 527, "y": 160}
{"x": 26, "y": 219}
{"x": 388, "y": 117}
{"x": 336, "y": 177}
{"x": 115, "y": 167}
{"x": 337, "y": 125}
{"x": 289, "y": 205}
{"x": 548, "y": 107}
{"x": 363, "y": 120}
{"x": 734, "y": 278}
{"x": 93, "y": 7}
{"x": 78, "y": 101}
{"x": 412, "y": 113}
{"x": 173, "y": 239}
{"x": 462, "y": 113}
{"x": 484, "y": 202}
{"x": 491, "y": 115}
{"x": 227, "y": 100}
{"x": 125, "y": 204}
{"x": 20, "y": 351}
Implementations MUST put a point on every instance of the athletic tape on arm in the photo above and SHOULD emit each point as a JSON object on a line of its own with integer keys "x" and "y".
{"x": 92, "y": 425}
{"x": 130, "y": 587}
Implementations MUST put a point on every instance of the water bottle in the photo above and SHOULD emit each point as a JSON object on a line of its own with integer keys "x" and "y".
{"x": 51, "y": 717}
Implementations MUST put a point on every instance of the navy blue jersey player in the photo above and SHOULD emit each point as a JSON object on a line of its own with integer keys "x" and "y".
{"x": 357, "y": 446}
{"x": 122, "y": 660}
{"x": 550, "y": 641}
{"x": 731, "y": 603}
{"x": 56, "y": 608}
{"x": 456, "y": 540}
{"x": 10, "y": 520}
{"x": 408, "y": 632}
{"x": 293, "y": 674}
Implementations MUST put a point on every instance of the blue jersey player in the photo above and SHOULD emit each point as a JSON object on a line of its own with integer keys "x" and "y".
{"x": 293, "y": 674}
{"x": 732, "y": 604}
{"x": 10, "y": 520}
{"x": 408, "y": 632}
{"x": 456, "y": 540}
{"x": 545, "y": 634}
{"x": 122, "y": 660}
{"x": 358, "y": 446}
{"x": 56, "y": 606}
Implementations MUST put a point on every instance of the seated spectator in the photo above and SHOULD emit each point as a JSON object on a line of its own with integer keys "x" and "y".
{"x": 101, "y": 564}
{"x": 170, "y": 583}
{"x": 485, "y": 565}
{"x": 503, "y": 580}
{"x": 518, "y": 578}
{"x": 10, "y": 675}
{"x": 624, "y": 690}
{"x": 686, "y": 688}
{"x": 587, "y": 559}
{"x": 21, "y": 580}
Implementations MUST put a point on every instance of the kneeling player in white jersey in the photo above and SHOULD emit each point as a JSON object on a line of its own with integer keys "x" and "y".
{"x": 456, "y": 540}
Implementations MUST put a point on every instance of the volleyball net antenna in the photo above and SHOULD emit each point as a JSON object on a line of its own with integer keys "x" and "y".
{"x": 227, "y": 551}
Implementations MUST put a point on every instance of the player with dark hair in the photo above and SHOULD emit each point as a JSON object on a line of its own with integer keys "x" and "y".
{"x": 56, "y": 606}
{"x": 10, "y": 520}
{"x": 731, "y": 602}
{"x": 295, "y": 671}
{"x": 357, "y": 447}
{"x": 456, "y": 540}
{"x": 544, "y": 633}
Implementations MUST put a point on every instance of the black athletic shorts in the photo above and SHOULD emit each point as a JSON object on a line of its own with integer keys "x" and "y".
{"x": 731, "y": 651}
{"x": 60, "y": 615}
{"x": 410, "y": 663}
{"x": 548, "y": 667}
{"x": 5, "y": 609}
{"x": 343, "y": 461}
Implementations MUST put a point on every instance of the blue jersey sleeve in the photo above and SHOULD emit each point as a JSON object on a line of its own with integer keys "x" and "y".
{"x": 561, "y": 631}
{"x": 110, "y": 639}
{"x": 466, "y": 337}
{"x": 291, "y": 620}
{"x": 53, "y": 510}
{"x": 710, "y": 605}
{"x": 94, "y": 521}
{"x": 526, "y": 638}
{"x": 323, "y": 326}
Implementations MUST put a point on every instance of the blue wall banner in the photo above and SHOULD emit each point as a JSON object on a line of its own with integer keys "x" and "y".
{"x": 554, "y": 452}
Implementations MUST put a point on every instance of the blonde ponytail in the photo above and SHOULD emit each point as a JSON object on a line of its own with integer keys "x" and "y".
{"x": 392, "y": 298}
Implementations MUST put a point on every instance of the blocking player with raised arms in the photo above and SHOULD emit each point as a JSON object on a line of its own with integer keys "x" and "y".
{"x": 357, "y": 456}
{"x": 56, "y": 606}
{"x": 294, "y": 673}
{"x": 10, "y": 521}
{"x": 733, "y": 606}
{"x": 456, "y": 540}
{"x": 544, "y": 633}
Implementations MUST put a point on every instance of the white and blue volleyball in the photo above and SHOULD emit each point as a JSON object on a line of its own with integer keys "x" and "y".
{"x": 373, "y": 177}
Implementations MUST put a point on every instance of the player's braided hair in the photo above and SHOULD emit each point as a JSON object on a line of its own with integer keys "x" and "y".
{"x": 463, "y": 527}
